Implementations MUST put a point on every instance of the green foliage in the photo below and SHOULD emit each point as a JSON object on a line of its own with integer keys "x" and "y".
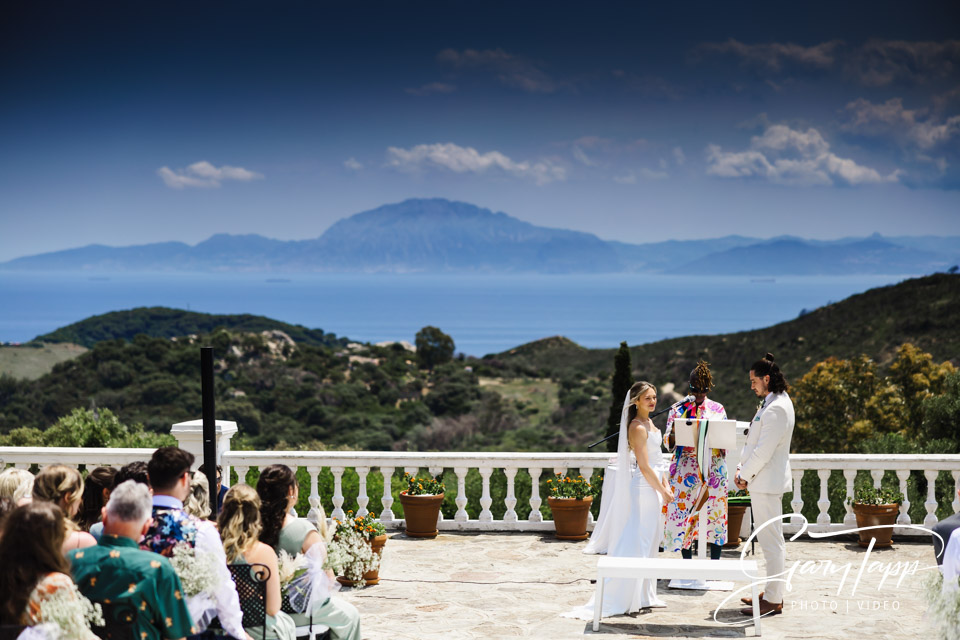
{"x": 620, "y": 385}
{"x": 872, "y": 496}
{"x": 367, "y": 526}
{"x": 86, "y": 428}
{"x": 941, "y": 414}
{"x": 578, "y": 487}
{"x": 418, "y": 485}
{"x": 434, "y": 347}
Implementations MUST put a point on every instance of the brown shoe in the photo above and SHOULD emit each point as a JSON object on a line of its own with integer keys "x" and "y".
{"x": 765, "y": 608}
{"x": 749, "y": 601}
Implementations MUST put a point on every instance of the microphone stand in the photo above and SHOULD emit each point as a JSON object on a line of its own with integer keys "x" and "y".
{"x": 652, "y": 415}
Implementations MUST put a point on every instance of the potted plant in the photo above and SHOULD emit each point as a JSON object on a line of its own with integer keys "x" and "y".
{"x": 876, "y": 508}
{"x": 570, "y": 500}
{"x": 351, "y": 557}
{"x": 374, "y": 533}
{"x": 421, "y": 505}
{"x": 737, "y": 504}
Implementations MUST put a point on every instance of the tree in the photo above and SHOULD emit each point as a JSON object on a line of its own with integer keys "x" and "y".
{"x": 434, "y": 347}
{"x": 942, "y": 413}
{"x": 622, "y": 381}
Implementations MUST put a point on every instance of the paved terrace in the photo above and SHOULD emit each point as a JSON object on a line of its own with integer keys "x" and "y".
{"x": 515, "y": 585}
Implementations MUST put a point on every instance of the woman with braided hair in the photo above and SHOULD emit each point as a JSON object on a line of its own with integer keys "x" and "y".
{"x": 696, "y": 496}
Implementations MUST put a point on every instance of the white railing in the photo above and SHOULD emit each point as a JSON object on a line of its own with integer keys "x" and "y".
{"x": 386, "y": 463}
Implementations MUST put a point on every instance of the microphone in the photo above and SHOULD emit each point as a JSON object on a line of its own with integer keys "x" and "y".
{"x": 675, "y": 404}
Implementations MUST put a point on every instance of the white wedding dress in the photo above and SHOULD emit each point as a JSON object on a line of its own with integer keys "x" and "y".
{"x": 638, "y": 536}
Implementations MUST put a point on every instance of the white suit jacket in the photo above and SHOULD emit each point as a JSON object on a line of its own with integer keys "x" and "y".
{"x": 765, "y": 459}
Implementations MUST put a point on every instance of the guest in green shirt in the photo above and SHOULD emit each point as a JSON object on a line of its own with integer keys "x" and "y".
{"x": 117, "y": 571}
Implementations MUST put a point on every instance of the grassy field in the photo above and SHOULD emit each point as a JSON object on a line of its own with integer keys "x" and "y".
{"x": 534, "y": 397}
{"x": 31, "y": 363}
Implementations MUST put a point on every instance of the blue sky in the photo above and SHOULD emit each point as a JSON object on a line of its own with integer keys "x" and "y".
{"x": 127, "y": 123}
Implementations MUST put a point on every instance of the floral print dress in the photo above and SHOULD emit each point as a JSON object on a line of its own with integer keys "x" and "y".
{"x": 682, "y": 526}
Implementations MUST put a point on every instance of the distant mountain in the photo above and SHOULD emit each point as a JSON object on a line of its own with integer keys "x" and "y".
{"x": 437, "y": 235}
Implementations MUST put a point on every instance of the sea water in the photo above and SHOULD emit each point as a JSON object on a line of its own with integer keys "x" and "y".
{"x": 483, "y": 313}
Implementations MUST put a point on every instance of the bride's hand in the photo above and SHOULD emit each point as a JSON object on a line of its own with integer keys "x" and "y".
{"x": 667, "y": 495}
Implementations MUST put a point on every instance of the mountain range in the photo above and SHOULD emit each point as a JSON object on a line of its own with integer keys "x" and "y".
{"x": 441, "y": 236}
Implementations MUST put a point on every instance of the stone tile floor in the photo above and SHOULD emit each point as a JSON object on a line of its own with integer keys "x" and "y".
{"x": 515, "y": 585}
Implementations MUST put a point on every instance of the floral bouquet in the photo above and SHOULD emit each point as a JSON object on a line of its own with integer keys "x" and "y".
{"x": 368, "y": 526}
{"x": 71, "y": 613}
{"x": 943, "y": 609}
{"x": 417, "y": 486}
{"x": 350, "y": 555}
{"x": 567, "y": 487}
{"x": 197, "y": 572}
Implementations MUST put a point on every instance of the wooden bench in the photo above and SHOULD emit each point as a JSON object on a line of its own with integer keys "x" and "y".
{"x": 653, "y": 568}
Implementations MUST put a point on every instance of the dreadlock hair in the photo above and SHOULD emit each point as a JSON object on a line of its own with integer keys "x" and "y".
{"x": 700, "y": 377}
{"x": 767, "y": 367}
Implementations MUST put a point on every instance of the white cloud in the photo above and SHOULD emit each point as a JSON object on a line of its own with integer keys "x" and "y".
{"x": 468, "y": 160}
{"x": 878, "y": 63}
{"x": 582, "y": 157}
{"x": 892, "y": 119}
{"x": 432, "y": 88}
{"x": 353, "y": 164}
{"x": 510, "y": 69}
{"x": 797, "y": 158}
{"x": 678, "y": 156}
{"x": 773, "y": 56}
{"x": 204, "y": 175}
{"x": 631, "y": 177}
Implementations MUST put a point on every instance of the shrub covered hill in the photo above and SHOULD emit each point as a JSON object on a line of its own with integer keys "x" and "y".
{"x": 288, "y": 386}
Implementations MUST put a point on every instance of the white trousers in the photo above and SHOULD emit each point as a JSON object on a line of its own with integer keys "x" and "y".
{"x": 766, "y": 506}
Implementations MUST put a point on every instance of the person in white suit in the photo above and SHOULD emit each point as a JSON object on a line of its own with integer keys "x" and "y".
{"x": 764, "y": 470}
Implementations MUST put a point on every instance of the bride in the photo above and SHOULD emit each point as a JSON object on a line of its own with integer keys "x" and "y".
{"x": 631, "y": 524}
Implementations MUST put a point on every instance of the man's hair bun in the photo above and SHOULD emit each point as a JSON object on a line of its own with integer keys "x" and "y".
{"x": 769, "y": 357}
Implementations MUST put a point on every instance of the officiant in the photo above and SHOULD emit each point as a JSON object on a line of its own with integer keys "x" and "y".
{"x": 698, "y": 495}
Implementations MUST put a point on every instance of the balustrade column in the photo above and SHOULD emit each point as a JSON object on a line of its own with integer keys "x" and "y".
{"x": 316, "y": 508}
{"x": 461, "y": 515}
{"x": 338, "y": 493}
{"x": 824, "y": 502}
{"x": 242, "y": 474}
{"x": 436, "y": 471}
{"x": 931, "y": 503}
{"x": 904, "y": 517}
{"x": 850, "y": 518}
{"x": 386, "y": 515}
{"x": 485, "y": 500}
{"x": 587, "y": 473}
{"x": 877, "y": 475}
{"x": 362, "y": 498}
{"x": 511, "y": 500}
{"x": 535, "y": 500}
{"x": 956, "y": 491}
{"x": 797, "y": 503}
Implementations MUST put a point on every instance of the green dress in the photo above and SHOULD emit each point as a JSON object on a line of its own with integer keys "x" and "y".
{"x": 340, "y": 616}
{"x": 118, "y": 571}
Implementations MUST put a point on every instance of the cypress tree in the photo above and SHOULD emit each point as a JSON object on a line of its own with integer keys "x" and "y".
{"x": 622, "y": 381}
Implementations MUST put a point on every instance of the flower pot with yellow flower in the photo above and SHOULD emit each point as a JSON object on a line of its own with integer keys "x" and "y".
{"x": 421, "y": 505}
{"x": 374, "y": 534}
{"x": 570, "y": 500}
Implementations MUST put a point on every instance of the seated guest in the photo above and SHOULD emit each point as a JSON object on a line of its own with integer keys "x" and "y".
{"x": 136, "y": 471}
{"x": 34, "y": 567}
{"x": 96, "y": 492}
{"x": 197, "y": 502}
{"x": 16, "y": 485}
{"x": 944, "y": 529}
{"x": 117, "y": 571}
{"x": 169, "y": 471}
{"x": 279, "y": 490}
{"x": 63, "y": 486}
{"x": 239, "y": 523}
{"x": 221, "y": 488}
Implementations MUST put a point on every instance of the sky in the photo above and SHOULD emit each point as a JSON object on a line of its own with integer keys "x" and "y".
{"x": 135, "y": 122}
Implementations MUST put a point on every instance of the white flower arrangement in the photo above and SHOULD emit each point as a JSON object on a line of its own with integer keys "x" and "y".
{"x": 943, "y": 610}
{"x": 71, "y": 612}
{"x": 350, "y": 556}
{"x": 197, "y": 572}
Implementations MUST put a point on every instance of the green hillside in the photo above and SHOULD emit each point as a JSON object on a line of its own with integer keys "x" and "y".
{"x": 923, "y": 311}
{"x": 161, "y": 322}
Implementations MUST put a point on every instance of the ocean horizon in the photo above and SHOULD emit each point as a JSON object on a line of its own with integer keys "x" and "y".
{"x": 483, "y": 313}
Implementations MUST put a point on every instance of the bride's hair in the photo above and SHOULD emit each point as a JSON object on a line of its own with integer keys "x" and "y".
{"x": 636, "y": 391}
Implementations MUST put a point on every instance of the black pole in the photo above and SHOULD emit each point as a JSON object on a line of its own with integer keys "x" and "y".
{"x": 209, "y": 426}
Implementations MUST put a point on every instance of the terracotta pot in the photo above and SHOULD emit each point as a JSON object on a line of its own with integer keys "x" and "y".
{"x": 735, "y": 513}
{"x": 370, "y": 577}
{"x": 570, "y": 517}
{"x": 420, "y": 514}
{"x": 872, "y": 515}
